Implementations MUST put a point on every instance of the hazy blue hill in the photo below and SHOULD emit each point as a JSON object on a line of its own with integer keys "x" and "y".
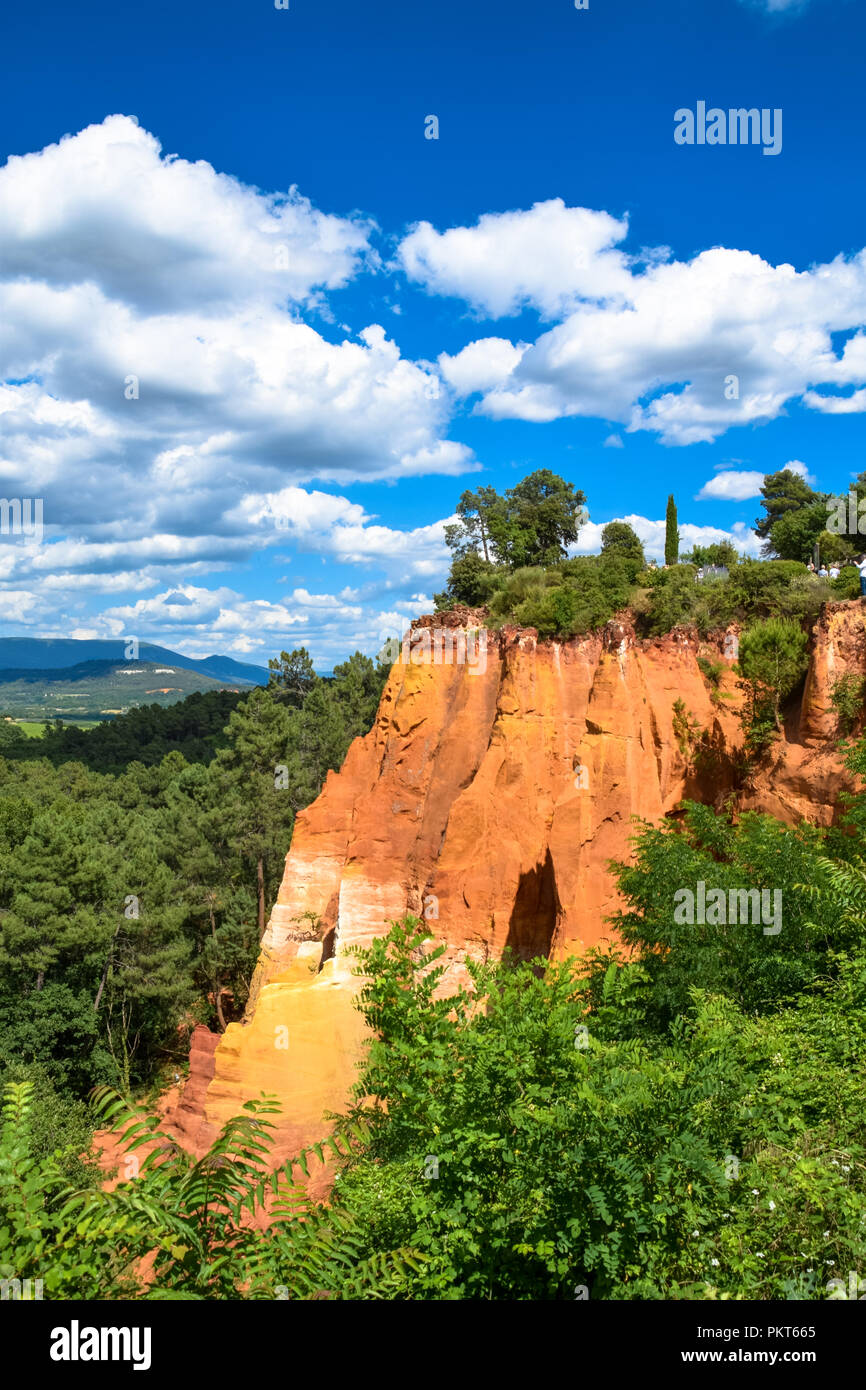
{"x": 57, "y": 654}
{"x": 101, "y": 689}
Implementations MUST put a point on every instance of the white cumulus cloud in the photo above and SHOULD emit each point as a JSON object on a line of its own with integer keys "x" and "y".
{"x": 686, "y": 349}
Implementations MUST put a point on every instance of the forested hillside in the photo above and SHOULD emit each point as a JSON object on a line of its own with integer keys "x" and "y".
{"x": 138, "y": 862}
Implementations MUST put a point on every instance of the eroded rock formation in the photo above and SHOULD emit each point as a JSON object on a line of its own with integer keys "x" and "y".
{"x": 489, "y": 798}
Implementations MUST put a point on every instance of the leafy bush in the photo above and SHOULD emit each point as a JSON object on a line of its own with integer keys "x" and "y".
{"x": 472, "y": 581}
{"x": 619, "y": 1131}
{"x": 847, "y": 586}
{"x": 687, "y": 730}
{"x": 183, "y": 1228}
{"x": 711, "y": 670}
{"x": 576, "y": 596}
{"x": 773, "y": 660}
{"x": 846, "y": 696}
{"x": 753, "y": 590}
{"x": 620, "y": 539}
{"x": 675, "y": 598}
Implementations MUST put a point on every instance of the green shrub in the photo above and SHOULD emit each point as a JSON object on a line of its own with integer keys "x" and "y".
{"x": 191, "y": 1220}
{"x": 847, "y": 586}
{"x": 472, "y": 581}
{"x": 687, "y": 730}
{"x": 627, "y": 1128}
{"x": 577, "y": 596}
{"x": 674, "y": 600}
{"x": 846, "y": 697}
{"x": 711, "y": 670}
{"x": 773, "y": 660}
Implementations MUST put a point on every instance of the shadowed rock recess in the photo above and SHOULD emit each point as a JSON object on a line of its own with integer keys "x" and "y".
{"x": 489, "y": 799}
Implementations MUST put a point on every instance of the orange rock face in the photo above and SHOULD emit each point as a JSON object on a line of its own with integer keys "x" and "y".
{"x": 488, "y": 799}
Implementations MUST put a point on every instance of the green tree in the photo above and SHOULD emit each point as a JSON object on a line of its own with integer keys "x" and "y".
{"x": 793, "y": 536}
{"x": 251, "y": 781}
{"x": 471, "y": 580}
{"x": 11, "y": 736}
{"x": 720, "y": 553}
{"x": 674, "y": 600}
{"x": 783, "y": 493}
{"x": 537, "y": 520}
{"x": 292, "y": 676}
{"x": 472, "y": 531}
{"x": 773, "y": 660}
{"x": 618, "y": 538}
{"x": 672, "y": 535}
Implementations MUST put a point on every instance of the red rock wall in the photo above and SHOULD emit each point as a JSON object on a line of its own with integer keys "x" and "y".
{"x": 489, "y": 798}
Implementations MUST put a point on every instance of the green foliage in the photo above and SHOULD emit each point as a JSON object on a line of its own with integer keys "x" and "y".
{"x": 11, "y": 737}
{"x": 753, "y": 590}
{"x": 835, "y": 548}
{"x": 773, "y": 660}
{"x": 472, "y": 531}
{"x": 622, "y": 1130}
{"x": 674, "y": 600}
{"x": 720, "y": 553}
{"x": 711, "y": 670}
{"x": 672, "y": 535}
{"x": 785, "y": 493}
{"x": 756, "y": 970}
{"x": 132, "y": 904}
{"x": 193, "y": 727}
{"x": 847, "y": 586}
{"x": 531, "y": 525}
{"x": 183, "y": 1228}
{"x": 686, "y": 728}
{"x": 537, "y": 520}
{"x": 576, "y": 596}
{"x": 618, "y": 538}
{"x": 292, "y": 676}
{"x": 794, "y": 535}
{"x": 60, "y": 1126}
{"x": 847, "y": 694}
{"x": 472, "y": 580}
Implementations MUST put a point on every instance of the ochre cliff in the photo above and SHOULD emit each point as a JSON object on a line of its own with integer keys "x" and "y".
{"x": 488, "y": 798}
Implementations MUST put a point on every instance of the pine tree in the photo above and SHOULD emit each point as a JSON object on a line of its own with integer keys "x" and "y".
{"x": 672, "y": 535}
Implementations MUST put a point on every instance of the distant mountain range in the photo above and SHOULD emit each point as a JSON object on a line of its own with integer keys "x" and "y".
{"x": 55, "y": 655}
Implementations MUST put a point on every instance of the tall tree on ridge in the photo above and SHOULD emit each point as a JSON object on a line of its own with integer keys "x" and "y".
{"x": 672, "y": 535}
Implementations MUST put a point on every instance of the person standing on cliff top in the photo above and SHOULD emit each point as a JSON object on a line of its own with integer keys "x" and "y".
{"x": 861, "y": 565}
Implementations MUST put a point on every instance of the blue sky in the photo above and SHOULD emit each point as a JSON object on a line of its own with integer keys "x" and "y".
{"x": 259, "y": 332}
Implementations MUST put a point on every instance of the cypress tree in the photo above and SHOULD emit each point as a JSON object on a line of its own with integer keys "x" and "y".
{"x": 672, "y": 535}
